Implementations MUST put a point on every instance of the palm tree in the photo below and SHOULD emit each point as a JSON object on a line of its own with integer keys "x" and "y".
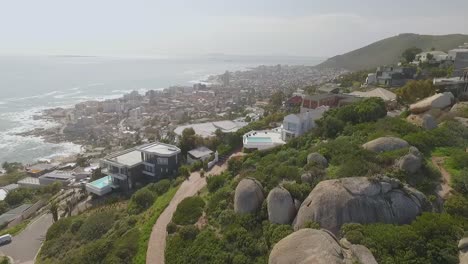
{"x": 53, "y": 209}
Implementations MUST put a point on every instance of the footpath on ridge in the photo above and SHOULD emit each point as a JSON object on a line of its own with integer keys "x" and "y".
{"x": 190, "y": 187}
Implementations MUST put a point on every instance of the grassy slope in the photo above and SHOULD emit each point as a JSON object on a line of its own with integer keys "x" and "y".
{"x": 147, "y": 222}
{"x": 389, "y": 50}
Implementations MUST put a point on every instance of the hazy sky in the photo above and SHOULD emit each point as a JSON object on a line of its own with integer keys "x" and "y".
{"x": 173, "y": 27}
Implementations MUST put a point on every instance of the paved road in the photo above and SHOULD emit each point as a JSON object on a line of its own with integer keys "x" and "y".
{"x": 25, "y": 246}
{"x": 157, "y": 241}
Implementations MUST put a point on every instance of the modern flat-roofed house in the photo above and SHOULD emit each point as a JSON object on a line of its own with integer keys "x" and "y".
{"x": 295, "y": 125}
{"x": 64, "y": 177}
{"x": 148, "y": 163}
{"x": 198, "y": 154}
{"x": 330, "y": 100}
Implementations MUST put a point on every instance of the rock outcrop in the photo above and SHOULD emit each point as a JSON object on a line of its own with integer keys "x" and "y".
{"x": 463, "y": 247}
{"x": 385, "y": 144}
{"x": 316, "y": 246}
{"x": 411, "y": 162}
{"x": 459, "y": 108}
{"x": 437, "y": 101}
{"x": 333, "y": 203}
{"x": 318, "y": 159}
{"x": 425, "y": 121}
{"x": 281, "y": 207}
{"x": 248, "y": 197}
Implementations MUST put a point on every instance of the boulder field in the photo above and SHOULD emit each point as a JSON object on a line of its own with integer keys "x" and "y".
{"x": 383, "y": 144}
{"x": 281, "y": 206}
{"x": 333, "y": 203}
{"x": 319, "y": 247}
{"x": 248, "y": 197}
{"x": 437, "y": 101}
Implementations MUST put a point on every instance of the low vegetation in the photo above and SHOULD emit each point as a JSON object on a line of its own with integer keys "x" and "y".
{"x": 116, "y": 232}
{"x": 227, "y": 237}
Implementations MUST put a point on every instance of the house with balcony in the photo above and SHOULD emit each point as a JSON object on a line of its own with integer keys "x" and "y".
{"x": 295, "y": 125}
{"x": 146, "y": 163}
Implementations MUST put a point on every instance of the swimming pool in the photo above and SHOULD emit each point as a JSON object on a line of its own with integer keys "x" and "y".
{"x": 259, "y": 140}
{"x": 102, "y": 182}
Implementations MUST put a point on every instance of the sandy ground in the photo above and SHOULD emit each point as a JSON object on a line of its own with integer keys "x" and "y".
{"x": 157, "y": 241}
{"x": 444, "y": 189}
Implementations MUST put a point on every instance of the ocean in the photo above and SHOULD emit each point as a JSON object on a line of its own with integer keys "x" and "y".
{"x": 30, "y": 84}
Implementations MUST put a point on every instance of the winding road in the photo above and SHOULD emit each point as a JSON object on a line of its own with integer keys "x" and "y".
{"x": 25, "y": 246}
{"x": 190, "y": 187}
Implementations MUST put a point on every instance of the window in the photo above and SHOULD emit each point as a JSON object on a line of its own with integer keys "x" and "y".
{"x": 291, "y": 126}
{"x": 163, "y": 161}
{"x": 149, "y": 168}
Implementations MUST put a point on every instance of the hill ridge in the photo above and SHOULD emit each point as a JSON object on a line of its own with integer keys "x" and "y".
{"x": 388, "y": 51}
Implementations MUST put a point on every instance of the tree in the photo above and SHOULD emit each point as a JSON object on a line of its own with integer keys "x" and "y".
{"x": 82, "y": 161}
{"x": 276, "y": 99}
{"x": 141, "y": 200}
{"x": 184, "y": 171}
{"x": 53, "y": 209}
{"x": 415, "y": 90}
{"x": 410, "y": 54}
{"x": 11, "y": 167}
{"x": 96, "y": 174}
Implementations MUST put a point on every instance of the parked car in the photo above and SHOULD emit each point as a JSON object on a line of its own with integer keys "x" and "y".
{"x": 5, "y": 239}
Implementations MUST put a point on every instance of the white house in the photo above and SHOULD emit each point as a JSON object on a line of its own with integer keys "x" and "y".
{"x": 263, "y": 140}
{"x": 437, "y": 56}
{"x": 295, "y": 125}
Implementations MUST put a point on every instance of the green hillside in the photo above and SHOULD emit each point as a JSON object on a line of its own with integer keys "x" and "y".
{"x": 389, "y": 50}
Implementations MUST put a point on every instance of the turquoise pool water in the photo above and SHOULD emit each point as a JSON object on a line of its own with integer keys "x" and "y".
{"x": 259, "y": 140}
{"x": 102, "y": 182}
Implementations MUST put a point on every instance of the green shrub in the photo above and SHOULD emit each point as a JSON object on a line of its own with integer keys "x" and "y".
{"x": 354, "y": 236}
{"x": 171, "y": 228}
{"x": 189, "y": 210}
{"x": 161, "y": 186}
{"x": 457, "y": 204}
{"x": 460, "y": 181}
{"x": 213, "y": 183}
{"x": 96, "y": 225}
{"x": 75, "y": 226}
{"x": 141, "y": 200}
{"x": 298, "y": 191}
{"x": 58, "y": 228}
{"x": 188, "y": 232}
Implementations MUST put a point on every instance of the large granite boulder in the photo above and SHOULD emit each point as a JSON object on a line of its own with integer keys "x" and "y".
{"x": 459, "y": 108}
{"x": 333, "y": 203}
{"x": 281, "y": 207}
{"x": 463, "y": 247}
{"x": 318, "y": 159}
{"x": 411, "y": 162}
{"x": 438, "y": 101}
{"x": 248, "y": 197}
{"x": 316, "y": 246}
{"x": 385, "y": 144}
{"x": 362, "y": 254}
{"x": 425, "y": 121}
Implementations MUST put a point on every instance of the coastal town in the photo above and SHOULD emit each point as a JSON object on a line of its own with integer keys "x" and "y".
{"x": 183, "y": 133}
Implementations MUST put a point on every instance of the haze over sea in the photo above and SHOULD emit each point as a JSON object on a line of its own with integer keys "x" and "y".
{"x": 30, "y": 84}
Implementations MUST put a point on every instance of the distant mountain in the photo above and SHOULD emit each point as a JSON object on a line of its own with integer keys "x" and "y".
{"x": 389, "y": 50}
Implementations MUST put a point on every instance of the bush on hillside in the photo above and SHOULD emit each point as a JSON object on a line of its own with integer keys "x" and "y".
{"x": 96, "y": 225}
{"x": 160, "y": 187}
{"x": 188, "y": 211}
{"x": 141, "y": 200}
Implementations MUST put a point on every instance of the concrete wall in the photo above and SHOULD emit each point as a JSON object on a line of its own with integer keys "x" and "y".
{"x": 27, "y": 213}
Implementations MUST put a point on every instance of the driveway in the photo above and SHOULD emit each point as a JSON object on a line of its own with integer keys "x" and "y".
{"x": 25, "y": 246}
{"x": 190, "y": 187}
